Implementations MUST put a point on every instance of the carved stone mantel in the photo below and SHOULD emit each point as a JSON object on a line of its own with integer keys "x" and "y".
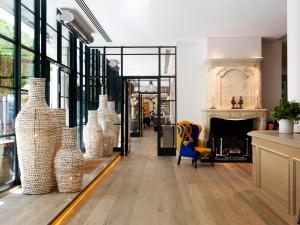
{"x": 228, "y": 77}
{"x": 258, "y": 115}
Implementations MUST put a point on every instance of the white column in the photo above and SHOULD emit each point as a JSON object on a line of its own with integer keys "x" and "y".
{"x": 293, "y": 49}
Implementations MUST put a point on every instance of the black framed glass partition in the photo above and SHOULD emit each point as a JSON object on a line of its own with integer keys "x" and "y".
{"x": 156, "y": 66}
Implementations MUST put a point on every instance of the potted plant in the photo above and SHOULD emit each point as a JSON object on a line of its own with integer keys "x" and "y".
{"x": 287, "y": 113}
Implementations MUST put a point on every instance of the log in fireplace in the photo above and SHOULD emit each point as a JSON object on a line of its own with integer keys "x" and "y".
{"x": 230, "y": 140}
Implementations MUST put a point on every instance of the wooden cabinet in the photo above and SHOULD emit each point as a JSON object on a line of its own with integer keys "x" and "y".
{"x": 276, "y": 172}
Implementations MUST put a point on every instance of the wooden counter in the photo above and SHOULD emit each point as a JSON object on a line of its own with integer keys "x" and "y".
{"x": 276, "y": 172}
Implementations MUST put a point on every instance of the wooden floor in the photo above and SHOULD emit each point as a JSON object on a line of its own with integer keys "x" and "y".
{"x": 146, "y": 189}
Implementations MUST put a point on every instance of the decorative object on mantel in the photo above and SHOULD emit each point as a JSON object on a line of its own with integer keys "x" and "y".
{"x": 287, "y": 113}
{"x": 93, "y": 136}
{"x": 241, "y": 102}
{"x": 258, "y": 106}
{"x": 69, "y": 163}
{"x": 36, "y": 134}
{"x": 233, "y": 102}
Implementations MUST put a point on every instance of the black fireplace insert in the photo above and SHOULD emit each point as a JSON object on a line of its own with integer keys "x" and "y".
{"x": 230, "y": 140}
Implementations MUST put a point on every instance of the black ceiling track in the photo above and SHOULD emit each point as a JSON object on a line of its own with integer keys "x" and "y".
{"x": 93, "y": 19}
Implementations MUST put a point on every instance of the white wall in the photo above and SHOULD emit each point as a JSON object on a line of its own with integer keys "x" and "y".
{"x": 192, "y": 70}
{"x": 234, "y": 47}
{"x": 271, "y": 73}
{"x": 191, "y": 92}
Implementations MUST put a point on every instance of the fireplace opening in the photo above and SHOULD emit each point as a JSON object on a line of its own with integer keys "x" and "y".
{"x": 230, "y": 140}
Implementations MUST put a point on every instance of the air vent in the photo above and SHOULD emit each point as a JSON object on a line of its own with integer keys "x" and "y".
{"x": 93, "y": 19}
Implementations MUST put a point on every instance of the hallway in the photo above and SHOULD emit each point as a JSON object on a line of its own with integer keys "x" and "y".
{"x": 146, "y": 189}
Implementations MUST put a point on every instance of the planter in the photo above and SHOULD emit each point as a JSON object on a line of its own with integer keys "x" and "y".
{"x": 36, "y": 135}
{"x": 116, "y": 121}
{"x": 106, "y": 121}
{"x": 69, "y": 163}
{"x": 93, "y": 136}
{"x": 286, "y": 126}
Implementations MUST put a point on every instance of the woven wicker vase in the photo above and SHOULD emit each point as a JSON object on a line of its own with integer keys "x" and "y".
{"x": 116, "y": 120}
{"x": 36, "y": 135}
{"x": 69, "y": 163}
{"x": 60, "y": 115}
{"x": 93, "y": 136}
{"x": 105, "y": 119}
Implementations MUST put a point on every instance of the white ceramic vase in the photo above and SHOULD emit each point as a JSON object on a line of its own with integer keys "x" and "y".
{"x": 105, "y": 119}
{"x": 116, "y": 121}
{"x": 69, "y": 162}
{"x": 93, "y": 136}
{"x": 286, "y": 126}
{"x": 36, "y": 135}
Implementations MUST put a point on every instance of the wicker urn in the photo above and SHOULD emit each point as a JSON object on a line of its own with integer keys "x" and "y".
{"x": 69, "y": 162}
{"x": 93, "y": 136}
{"x": 60, "y": 115}
{"x": 116, "y": 121}
{"x": 105, "y": 119}
{"x": 36, "y": 135}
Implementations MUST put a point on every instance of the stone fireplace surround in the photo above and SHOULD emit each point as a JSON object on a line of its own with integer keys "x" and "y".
{"x": 227, "y": 77}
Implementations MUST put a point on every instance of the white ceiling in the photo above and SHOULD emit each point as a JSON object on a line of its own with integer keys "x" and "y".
{"x": 166, "y": 22}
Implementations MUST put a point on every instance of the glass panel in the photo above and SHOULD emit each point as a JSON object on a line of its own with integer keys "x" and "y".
{"x": 51, "y": 14}
{"x": 167, "y": 109}
{"x": 84, "y": 119}
{"x": 27, "y": 67}
{"x": 7, "y": 155}
{"x": 148, "y": 85}
{"x": 24, "y": 97}
{"x": 168, "y": 88}
{"x": 64, "y": 91}
{"x": 65, "y": 51}
{"x": 140, "y": 50}
{"x": 29, "y": 4}
{"x": 168, "y": 139}
{"x": 65, "y": 32}
{"x": 167, "y": 65}
{"x": 6, "y": 63}
{"x": 27, "y": 27}
{"x": 7, "y": 19}
{"x": 113, "y": 50}
{"x": 140, "y": 65}
{"x": 170, "y": 50}
{"x": 54, "y": 87}
{"x": 51, "y": 43}
{"x": 7, "y": 111}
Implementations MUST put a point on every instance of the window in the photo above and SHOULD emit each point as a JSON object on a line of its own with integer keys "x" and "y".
{"x": 7, "y": 19}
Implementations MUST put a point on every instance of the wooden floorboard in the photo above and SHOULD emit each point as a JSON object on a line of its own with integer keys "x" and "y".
{"x": 145, "y": 189}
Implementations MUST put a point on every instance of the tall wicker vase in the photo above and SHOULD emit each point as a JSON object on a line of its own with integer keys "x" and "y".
{"x": 60, "y": 115}
{"x": 105, "y": 119}
{"x": 36, "y": 134}
{"x": 93, "y": 136}
{"x": 116, "y": 121}
{"x": 69, "y": 163}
